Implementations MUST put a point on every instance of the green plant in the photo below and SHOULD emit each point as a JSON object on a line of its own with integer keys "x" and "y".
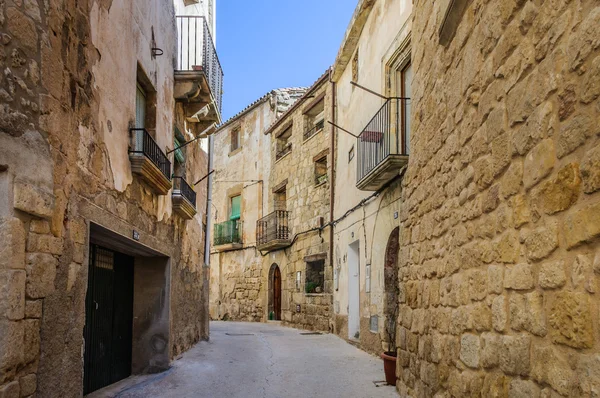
{"x": 310, "y": 287}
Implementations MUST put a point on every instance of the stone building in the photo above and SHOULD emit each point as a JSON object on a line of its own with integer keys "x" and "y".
{"x": 242, "y": 163}
{"x": 100, "y": 222}
{"x": 500, "y": 223}
{"x": 372, "y": 76}
{"x": 293, "y": 236}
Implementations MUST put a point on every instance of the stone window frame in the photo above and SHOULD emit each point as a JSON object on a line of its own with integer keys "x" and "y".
{"x": 452, "y": 15}
{"x": 398, "y": 61}
{"x": 318, "y": 160}
{"x": 283, "y": 146}
{"x": 355, "y": 62}
{"x": 236, "y": 129}
{"x": 310, "y": 118}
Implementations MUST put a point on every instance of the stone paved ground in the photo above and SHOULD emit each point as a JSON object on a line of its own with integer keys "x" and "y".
{"x": 262, "y": 360}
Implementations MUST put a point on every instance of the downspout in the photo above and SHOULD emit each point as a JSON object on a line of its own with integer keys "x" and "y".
{"x": 333, "y": 163}
{"x": 208, "y": 202}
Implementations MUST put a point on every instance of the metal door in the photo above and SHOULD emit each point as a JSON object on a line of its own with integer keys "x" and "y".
{"x": 109, "y": 319}
{"x": 277, "y": 293}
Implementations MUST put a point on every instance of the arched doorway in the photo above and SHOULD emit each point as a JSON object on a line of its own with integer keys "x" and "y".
{"x": 391, "y": 285}
{"x": 274, "y": 293}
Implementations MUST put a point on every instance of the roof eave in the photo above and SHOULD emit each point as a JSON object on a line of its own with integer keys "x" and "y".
{"x": 350, "y": 42}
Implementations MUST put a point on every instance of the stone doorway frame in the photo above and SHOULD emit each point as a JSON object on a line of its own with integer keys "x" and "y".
{"x": 391, "y": 288}
{"x": 272, "y": 307}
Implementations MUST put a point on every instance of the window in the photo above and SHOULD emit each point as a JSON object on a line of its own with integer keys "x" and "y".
{"x": 280, "y": 199}
{"x": 399, "y": 80}
{"x": 235, "y": 139}
{"x": 321, "y": 170}
{"x": 235, "y": 207}
{"x": 355, "y": 67}
{"x": 315, "y": 119}
{"x": 283, "y": 143}
{"x": 406, "y": 79}
{"x": 179, "y": 164}
{"x": 298, "y": 280}
{"x": 140, "y": 107}
{"x": 145, "y": 103}
{"x": 315, "y": 277}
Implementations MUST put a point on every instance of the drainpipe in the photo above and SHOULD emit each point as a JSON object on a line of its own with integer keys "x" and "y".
{"x": 208, "y": 202}
{"x": 333, "y": 162}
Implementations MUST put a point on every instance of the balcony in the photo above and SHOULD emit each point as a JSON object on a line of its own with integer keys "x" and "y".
{"x": 228, "y": 235}
{"x": 184, "y": 198}
{"x": 198, "y": 74}
{"x": 383, "y": 145}
{"x": 149, "y": 161}
{"x": 272, "y": 231}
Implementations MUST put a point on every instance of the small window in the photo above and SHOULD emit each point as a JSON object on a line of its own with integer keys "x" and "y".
{"x": 140, "y": 107}
{"x": 351, "y": 154}
{"x": 355, "y": 67}
{"x": 315, "y": 277}
{"x": 321, "y": 170}
{"x": 280, "y": 199}
{"x": 284, "y": 144}
{"x": 235, "y": 207}
{"x": 298, "y": 280}
{"x": 315, "y": 119}
{"x": 235, "y": 139}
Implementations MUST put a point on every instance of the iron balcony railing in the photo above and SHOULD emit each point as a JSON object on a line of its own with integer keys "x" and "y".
{"x": 386, "y": 134}
{"x": 181, "y": 187}
{"x": 197, "y": 52}
{"x": 142, "y": 143}
{"x": 228, "y": 232}
{"x": 283, "y": 150}
{"x": 316, "y": 128}
{"x": 274, "y": 226}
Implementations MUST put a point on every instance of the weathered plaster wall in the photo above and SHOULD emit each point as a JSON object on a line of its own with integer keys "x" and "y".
{"x": 236, "y": 276}
{"x": 238, "y": 172}
{"x": 500, "y": 242}
{"x": 386, "y": 29}
{"x": 68, "y": 90}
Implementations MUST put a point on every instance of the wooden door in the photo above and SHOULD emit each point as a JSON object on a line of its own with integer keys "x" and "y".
{"x": 277, "y": 293}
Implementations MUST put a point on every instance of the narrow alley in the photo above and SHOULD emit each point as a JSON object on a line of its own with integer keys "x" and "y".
{"x": 262, "y": 360}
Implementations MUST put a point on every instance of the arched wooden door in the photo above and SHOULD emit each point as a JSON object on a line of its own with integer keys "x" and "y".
{"x": 277, "y": 293}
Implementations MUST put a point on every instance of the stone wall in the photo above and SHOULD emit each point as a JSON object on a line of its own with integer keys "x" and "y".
{"x": 64, "y": 165}
{"x": 500, "y": 241}
{"x": 236, "y": 276}
{"x": 307, "y": 202}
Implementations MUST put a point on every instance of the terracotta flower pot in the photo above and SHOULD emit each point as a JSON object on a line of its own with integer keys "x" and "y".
{"x": 389, "y": 367}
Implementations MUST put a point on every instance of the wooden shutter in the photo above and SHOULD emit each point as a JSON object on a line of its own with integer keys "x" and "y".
{"x": 236, "y": 203}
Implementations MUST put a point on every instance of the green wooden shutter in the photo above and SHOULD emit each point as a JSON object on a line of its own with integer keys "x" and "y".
{"x": 236, "y": 203}
{"x": 178, "y": 152}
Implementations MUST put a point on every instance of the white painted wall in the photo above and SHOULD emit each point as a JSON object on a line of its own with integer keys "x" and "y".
{"x": 385, "y": 29}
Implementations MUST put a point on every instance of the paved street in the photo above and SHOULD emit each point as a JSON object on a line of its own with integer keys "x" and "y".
{"x": 262, "y": 360}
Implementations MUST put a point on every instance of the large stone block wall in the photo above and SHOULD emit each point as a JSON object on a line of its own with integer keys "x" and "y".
{"x": 500, "y": 246}
{"x": 57, "y": 175}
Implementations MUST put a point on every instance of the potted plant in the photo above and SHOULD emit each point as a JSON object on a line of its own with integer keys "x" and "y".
{"x": 389, "y": 357}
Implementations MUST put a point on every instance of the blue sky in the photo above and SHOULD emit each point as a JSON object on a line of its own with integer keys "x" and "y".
{"x": 268, "y": 44}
